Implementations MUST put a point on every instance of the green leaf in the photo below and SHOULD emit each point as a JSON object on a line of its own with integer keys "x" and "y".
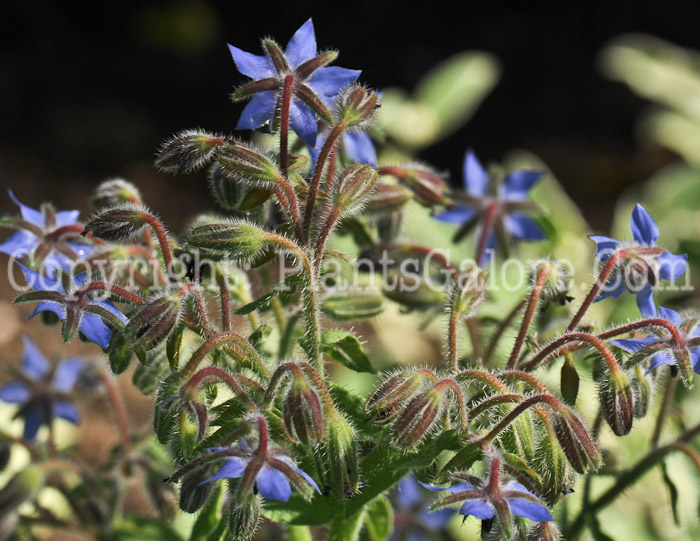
{"x": 346, "y": 349}
{"x": 346, "y": 528}
{"x": 464, "y": 459}
{"x": 379, "y": 519}
{"x": 261, "y": 303}
{"x": 209, "y": 516}
{"x": 257, "y": 339}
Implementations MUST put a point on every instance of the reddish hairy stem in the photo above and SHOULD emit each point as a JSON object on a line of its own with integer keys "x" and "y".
{"x": 555, "y": 348}
{"x": 520, "y": 408}
{"x": 542, "y": 274}
{"x": 65, "y": 229}
{"x": 323, "y": 239}
{"x": 110, "y": 288}
{"x": 219, "y": 340}
{"x": 486, "y": 227}
{"x": 162, "y": 240}
{"x": 224, "y": 299}
{"x": 213, "y": 372}
{"x": 119, "y": 411}
{"x": 284, "y": 124}
{"x": 644, "y": 323}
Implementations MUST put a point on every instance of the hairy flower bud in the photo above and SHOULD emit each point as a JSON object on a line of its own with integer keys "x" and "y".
{"x": 617, "y": 403}
{"x": 187, "y": 151}
{"x": 115, "y": 192}
{"x": 417, "y": 418}
{"x": 118, "y": 224}
{"x": 340, "y": 449}
{"x": 352, "y": 304}
{"x": 468, "y": 291}
{"x": 154, "y": 321}
{"x": 557, "y": 284}
{"x": 544, "y": 531}
{"x": 578, "y": 445}
{"x": 243, "y": 518}
{"x": 428, "y": 186}
{"x": 239, "y": 239}
{"x": 226, "y": 191}
{"x": 302, "y": 413}
{"x": 193, "y": 493}
{"x": 384, "y": 403}
{"x": 642, "y": 393}
{"x": 355, "y": 107}
{"x": 387, "y": 199}
{"x": 353, "y": 187}
{"x": 241, "y": 162}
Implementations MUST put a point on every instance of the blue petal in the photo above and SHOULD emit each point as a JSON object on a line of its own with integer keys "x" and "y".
{"x": 433, "y": 488}
{"x": 672, "y": 267}
{"x": 272, "y": 484}
{"x": 67, "y": 373}
{"x": 670, "y": 315}
{"x": 527, "y": 509}
{"x": 259, "y": 110}
{"x": 644, "y": 228}
{"x": 67, "y": 217}
{"x": 476, "y": 180}
{"x": 66, "y": 410}
{"x": 359, "y": 148}
{"x": 479, "y": 508}
{"x": 695, "y": 359}
{"x": 456, "y": 215}
{"x": 303, "y": 122}
{"x": 518, "y": 184}
{"x": 409, "y": 493}
{"x": 33, "y": 419}
{"x": 49, "y": 306}
{"x": 29, "y": 214}
{"x": 55, "y": 261}
{"x": 460, "y": 487}
{"x": 605, "y": 246}
{"x": 523, "y": 228}
{"x": 95, "y": 330}
{"x": 19, "y": 244}
{"x": 252, "y": 65}
{"x": 307, "y": 477}
{"x": 645, "y": 302}
{"x": 232, "y": 468}
{"x": 514, "y": 485}
{"x": 633, "y": 345}
{"x": 38, "y": 282}
{"x": 660, "y": 358}
{"x": 328, "y": 82}
{"x": 34, "y": 364}
{"x": 437, "y": 519}
{"x": 302, "y": 46}
{"x": 14, "y": 393}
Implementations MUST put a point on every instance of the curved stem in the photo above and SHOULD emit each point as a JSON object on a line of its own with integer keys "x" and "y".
{"x": 520, "y": 408}
{"x": 119, "y": 411}
{"x": 223, "y": 339}
{"x": 323, "y": 239}
{"x": 542, "y": 274}
{"x": 284, "y": 124}
{"x": 642, "y": 324}
{"x": 162, "y": 240}
{"x": 664, "y": 409}
{"x": 224, "y": 298}
{"x": 568, "y": 341}
{"x": 453, "y": 342}
{"x": 110, "y": 288}
{"x": 213, "y": 372}
{"x": 495, "y": 339}
{"x": 489, "y": 218}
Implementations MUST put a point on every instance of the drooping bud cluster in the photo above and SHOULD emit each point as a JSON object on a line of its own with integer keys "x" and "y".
{"x": 355, "y": 107}
{"x": 114, "y": 192}
{"x": 188, "y": 151}
{"x": 467, "y": 291}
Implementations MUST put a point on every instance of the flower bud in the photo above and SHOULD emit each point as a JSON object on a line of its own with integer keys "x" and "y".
{"x": 355, "y": 107}
{"x": 387, "y": 199}
{"x": 352, "y": 304}
{"x": 642, "y": 393}
{"x": 241, "y": 240}
{"x": 556, "y": 472}
{"x": 187, "y": 151}
{"x": 544, "y": 531}
{"x": 417, "y": 418}
{"x": 302, "y": 413}
{"x": 557, "y": 284}
{"x": 428, "y": 186}
{"x": 241, "y": 162}
{"x": 341, "y": 454}
{"x": 243, "y": 518}
{"x": 353, "y": 187}
{"x": 114, "y": 192}
{"x": 617, "y": 403}
{"x": 386, "y": 400}
{"x": 468, "y": 291}
{"x": 153, "y": 322}
{"x": 118, "y": 224}
{"x": 569, "y": 381}
{"x": 22, "y": 487}
{"x": 194, "y": 494}
{"x": 578, "y": 445}
{"x": 389, "y": 226}
{"x": 226, "y": 191}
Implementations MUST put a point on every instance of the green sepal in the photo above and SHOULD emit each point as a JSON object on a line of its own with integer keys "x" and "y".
{"x": 346, "y": 349}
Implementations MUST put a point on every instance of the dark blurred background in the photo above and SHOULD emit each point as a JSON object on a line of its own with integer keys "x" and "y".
{"x": 87, "y": 94}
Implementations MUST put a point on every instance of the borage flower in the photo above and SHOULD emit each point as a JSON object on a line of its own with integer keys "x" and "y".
{"x": 640, "y": 263}
{"x": 312, "y": 86}
{"x": 680, "y": 350}
{"x": 47, "y": 237}
{"x": 74, "y": 304}
{"x": 500, "y": 209}
{"x": 412, "y": 520}
{"x": 43, "y": 392}
{"x": 487, "y": 499}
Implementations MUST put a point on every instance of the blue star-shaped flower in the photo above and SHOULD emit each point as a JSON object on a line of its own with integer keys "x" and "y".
{"x": 42, "y": 393}
{"x": 413, "y": 521}
{"x": 642, "y": 264}
{"x": 61, "y": 295}
{"x": 314, "y": 86}
{"x": 46, "y": 236}
{"x": 661, "y": 348}
{"x": 271, "y": 474}
{"x": 500, "y": 209}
